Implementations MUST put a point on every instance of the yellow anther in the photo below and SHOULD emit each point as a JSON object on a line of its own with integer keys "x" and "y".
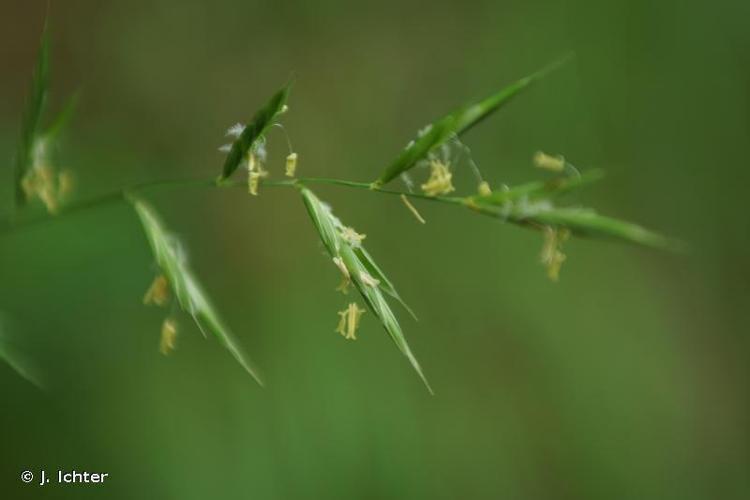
{"x": 548, "y": 162}
{"x": 158, "y": 292}
{"x": 352, "y": 237}
{"x": 345, "y": 277}
{"x": 412, "y": 209}
{"x": 291, "y": 164}
{"x": 368, "y": 280}
{"x": 65, "y": 183}
{"x": 255, "y": 173}
{"x": 253, "y": 181}
{"x": 41, "y": 182}
{"x": 168, "y": 341}
{"x": 439, "y": 181}
{"x": 49, "y": 197}
{"x": 552, "y": 256}
{"x": 349, "y": 321}
{"x": 484, "y": 189}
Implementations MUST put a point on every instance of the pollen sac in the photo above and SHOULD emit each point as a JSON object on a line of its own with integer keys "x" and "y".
{"x": 49, "y": 186}
{"x": 291, "y": 164}
{"x": 413, "y": 209}
{"x": 484, "y": 189}
{"x": 552, "y": 256}
{"x": 352, "y": 237}
{"x": 548, "y": 162}
{"x": 368, "y": 280}
{"x": 440, "y": 181}
{"x": 253, "y": 181}
{"x": 255, "y": 171}
{"x": 345, "y": 277}
{"x": 349, "y": 321}
{"x": 168, "y": 341}
{"x": 158, "y": 292}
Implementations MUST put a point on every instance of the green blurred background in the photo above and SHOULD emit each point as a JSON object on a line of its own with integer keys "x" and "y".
{"x": 627, "y": 379}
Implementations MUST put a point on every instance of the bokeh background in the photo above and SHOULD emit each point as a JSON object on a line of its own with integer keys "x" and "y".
{"x": 627, "y": 379}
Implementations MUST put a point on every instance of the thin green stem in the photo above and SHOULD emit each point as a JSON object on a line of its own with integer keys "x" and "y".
{"x": 10, "y": 226}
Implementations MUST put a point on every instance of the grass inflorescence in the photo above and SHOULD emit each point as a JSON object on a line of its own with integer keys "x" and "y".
{"x": 536, "y": 205}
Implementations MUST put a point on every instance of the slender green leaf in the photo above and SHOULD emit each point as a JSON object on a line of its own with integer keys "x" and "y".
{"x": 32, "y": 116}
{"x": 254, "y": 131}
{"x": 190, "y": 295}
{"x": 455, "y": 124}
{"x": 359, "y": 263}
